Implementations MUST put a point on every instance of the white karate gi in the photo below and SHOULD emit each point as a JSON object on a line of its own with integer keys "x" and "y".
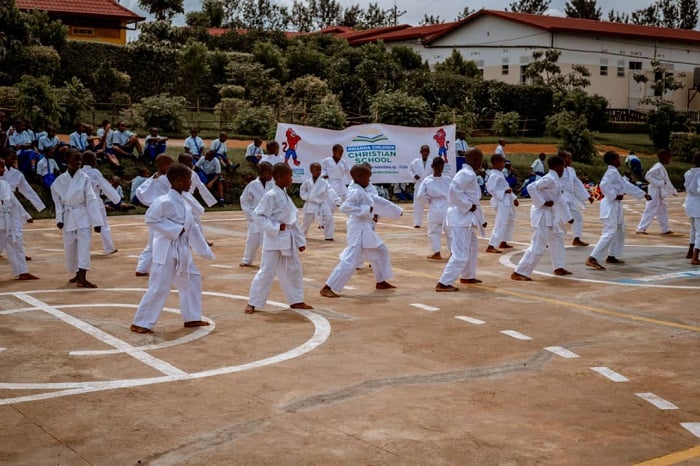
{"x": 363, "y": 242}
{"x": 320, "y": 202}
{"x": 692, "y": 204}
{"x": 612, "y": 238}
{"x": 434, "y": 190}
{"x": 18, "y": 183}
{"x": 147, "y": 193}
{"x": 548, "y": 224}
{"x": 272, "y": 159}
{"x": 463, "y": 194}
{"x": 174, "y": 230}
{"x": 576, "y": 196}
{"x": 280, "y": 254}
{"x": 337, "y": 174}
{"x": 102, "y": 187}
{"x": 12, "y": 216}
{"x": 250, "y": 198}
{"x": 201, "y": 188}
{"x": 420, "y": 168}
{"x": 660, "y": 188}
{"x": 78, "y": 208}
{"x": 502, "y": 203}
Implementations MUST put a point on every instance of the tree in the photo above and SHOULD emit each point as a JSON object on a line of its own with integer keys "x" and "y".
{"x": 545, "y": 71}
{"x": 583, "y": 9}
{"x": 162, "y": 9}
{"x": 73, "y": 99}
{"x": 399, "y": 108}
{"x": 465, "y": 12}
{"x": 618, "y": 17}
{"x": 351, "y": 17}
{"x": 214, "y": 9}
{"x": 535, "y": 7}
{"x": 38, "y": 100}
{"x": 194, "y": 68}
{"x": 430, "y": 19}
{"x": 456, "y": 64}
{"x": 374, "y": 17}
{"x": 259, "y": 15}
{"x": 676, "y": 14}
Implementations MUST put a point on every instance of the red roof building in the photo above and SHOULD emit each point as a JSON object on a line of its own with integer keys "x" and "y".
{"x": 91, "y": 20}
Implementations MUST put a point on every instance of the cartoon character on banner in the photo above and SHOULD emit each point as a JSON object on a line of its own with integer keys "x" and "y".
{"x": 290, "y": 146}
{"x": 442, "y": 142}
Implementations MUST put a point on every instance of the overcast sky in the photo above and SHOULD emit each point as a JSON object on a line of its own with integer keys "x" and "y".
{"x": 447, "y": 10}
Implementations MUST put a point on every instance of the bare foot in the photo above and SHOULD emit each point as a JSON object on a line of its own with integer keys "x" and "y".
{"x": 505, "y": 245}
{"x": 384, "y": 286}
{"x": 493, "y": 250}
{"x": 470, "y": 281}
{"x": 136, "y": 329}
{"x": 561, "y": 272}
{"x": 141, "y": 274}
{"x": 250, "y": 309}
{"x": 85, "y": 284}
{"x": 301, "y": 305}
{"x": 440, "y": 288}
{"x": 27, "y": 276}
{"x": 328, "y": 293}
{"x": 593, "y": 263}
{"x": 519, "y": 277}
{"x": 436, "y": 256}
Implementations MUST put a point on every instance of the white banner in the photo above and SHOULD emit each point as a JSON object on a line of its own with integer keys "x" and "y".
{"x": 389, "y": 149}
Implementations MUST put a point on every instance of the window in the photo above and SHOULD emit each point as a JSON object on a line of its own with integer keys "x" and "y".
{"x": 523, "y": 77}
{"x": 603, "y": 67}
{"x": 505, "y": 68}
{"x": 621, "y": 68}
{"x": 78, "y": 31}
{"x": 480, "y": 65}
{"x": 635, "y": 65}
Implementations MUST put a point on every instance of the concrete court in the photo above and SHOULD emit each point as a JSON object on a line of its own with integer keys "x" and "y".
{"x": 407, "y": 376}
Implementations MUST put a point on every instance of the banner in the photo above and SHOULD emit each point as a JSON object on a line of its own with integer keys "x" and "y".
{"x": 389, "y": 149}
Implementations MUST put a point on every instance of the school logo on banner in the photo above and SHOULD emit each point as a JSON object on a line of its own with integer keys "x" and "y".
{"x": 373, "y": 147}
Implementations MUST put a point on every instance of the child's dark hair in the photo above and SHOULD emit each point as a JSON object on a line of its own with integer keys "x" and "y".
{"x": 89, "y": 158}
{"x": 609, "y": 156}
{"x": 337, "y": 147}
{"x": 664, "y": 153}
{"x": 555, "y": 162}
{"x": 359, "y": 169}
{"x": 178, "y": 170}
{"x": 437, "y": 162}
{"x": 279, "y": 169}
{"x": 496, "y": 158}
{"x": 185, "y": 159}
{"x": 272, "y": 146}
{"x": 264, "y": 166}
{"x": 314, "y": 164}
{"x": 696, "y": 159}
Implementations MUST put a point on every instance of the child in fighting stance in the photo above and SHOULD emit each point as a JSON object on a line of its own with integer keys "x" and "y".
{"x": 320, "y": 202}
{"x": 250, "y": 198}
{"x": 503, "y": 202}
{"x": 174, "y": 232}
{"x": 692, "y": 208}
{"x": 276, "y": 216}
{"x": 362, "y": 240}
{"x": 433, "y": 191}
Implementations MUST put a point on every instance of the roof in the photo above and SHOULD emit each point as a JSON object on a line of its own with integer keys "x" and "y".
{"x": 398, "y": 33}
{"x": 217, "y": 32}
{"x": 575, "y": 25}
{"x": 90, "y": 8}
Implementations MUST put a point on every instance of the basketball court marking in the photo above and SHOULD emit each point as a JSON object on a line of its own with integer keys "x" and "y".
{"x": 656, "y": 401}
{"x": 610, "y": 374}
{"x": 515, "y": 334}
{"x": 171, "y": 373}
{"x": 425, "y": 307}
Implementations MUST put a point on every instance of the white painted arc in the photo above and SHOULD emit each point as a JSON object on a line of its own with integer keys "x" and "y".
{"x": 95, "y": 332}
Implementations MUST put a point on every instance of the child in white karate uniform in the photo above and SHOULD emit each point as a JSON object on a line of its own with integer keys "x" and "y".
{"x": 614, "y": 189}
{"x": 692, "y": 208}
{"x": 504, "y": 202}
{"x": 77, "y": 209}
{"x": 250, "y": 198}
{"x": 419, "y": 168}
{"x": 197, "y": 185}
{"x": 175, "y": 235}
{"x": 464, "y": 218}
{"x": 101, "y": 187}
{"x": 276, "y": 216}
{"x": 147, "y": 193}
{"x": 363, "y": 242}
{"x": 433, "y": 192}
{"x": 321, "y": 200}
{"x": 660, "y": 188}
{"x": 12, "y": 217}
{"x": 548, "y": 214}
{"x": 336, "y": 170}
{"x": 576, "y": 196}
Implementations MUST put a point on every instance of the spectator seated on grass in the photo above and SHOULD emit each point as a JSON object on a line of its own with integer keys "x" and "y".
{"x": 194, "y": 145}
{"x": 125, "y": 142}
{"x": 154, "y": 144}
{"x": 209, "y": 170}
{"x": 104, "y": 147}
{"x": 20, "y": 140}
{"x": 120, "y": 206}
{"x": 143, "y": 175}
{"x": 47, "y": 168}
{"x": 253, "y": 152}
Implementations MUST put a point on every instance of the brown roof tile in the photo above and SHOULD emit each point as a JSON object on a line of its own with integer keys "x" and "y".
{"x": 91, "y": 8}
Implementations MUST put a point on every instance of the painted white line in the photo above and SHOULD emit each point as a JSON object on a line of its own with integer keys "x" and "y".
{"x": 17, "y": 311}
{"x": 133, "y": 256}
{"x": 471, "y": 320}
{"x": 307, "y": 279}
{"x": 425, "y": 307}
{"x": 221, "y": 266}
{"x": 54, "y": 250}
{"x": 3, "y": 349}
{"x": 516, "y": 335}
{"x": 656, "y": 400}
{"x": 610, "y": 374}
{"x": 562, "y": 352}
{"x": 349, "y": 288}
{"x": 692, "y": 427}
{"x": 322, "y": 330}
{"x": 95, "y": 332}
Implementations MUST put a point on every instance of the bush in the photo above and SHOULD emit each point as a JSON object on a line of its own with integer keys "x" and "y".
{"x": 38, "y": 101}
{"x": 684, "y": 145}
{"x": 255, "y": 120}
{"x": 163, "y": 112}
{"x": 447, "y": 116}
{"x": 399, "y": 108}
{"x": 74, "y": 98}
{"x": 574, "y": 133}
{"x": 506, "y": 124}
{"x": 593, "y": 107}
{"x": 328, "y": 114}
{"x": 226, "y": 110}
{"x": 628, "y": 127}
{"x": 132, "y": 117}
